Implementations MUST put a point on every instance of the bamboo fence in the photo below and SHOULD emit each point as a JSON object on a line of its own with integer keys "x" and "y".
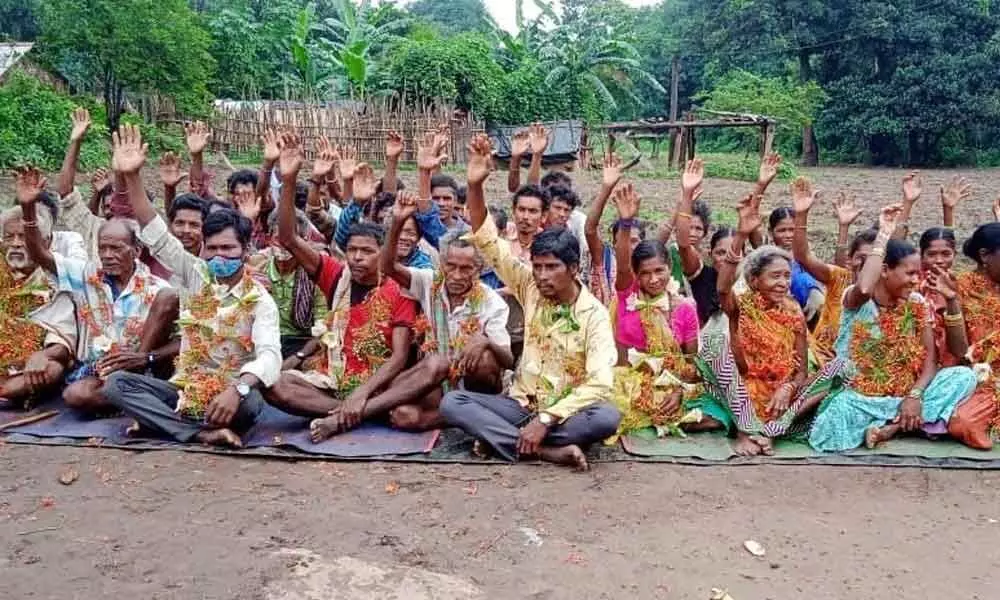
{"x": 238, "y": 126}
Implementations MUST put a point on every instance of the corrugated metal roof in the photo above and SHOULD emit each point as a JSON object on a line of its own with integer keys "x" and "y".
{"x": 10, "y": 53}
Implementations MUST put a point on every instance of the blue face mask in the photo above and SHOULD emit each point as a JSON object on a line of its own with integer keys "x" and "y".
{"x": 222, "y": 267}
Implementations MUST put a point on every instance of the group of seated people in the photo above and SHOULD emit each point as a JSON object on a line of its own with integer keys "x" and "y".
{"x": 350, "y": 299}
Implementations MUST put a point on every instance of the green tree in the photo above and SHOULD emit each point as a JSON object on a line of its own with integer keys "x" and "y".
{"x": 121, "y": 46}
{"x": 18, "y": 20}
{"x": 453, "y": 16}
{"x": 358, "y": 36}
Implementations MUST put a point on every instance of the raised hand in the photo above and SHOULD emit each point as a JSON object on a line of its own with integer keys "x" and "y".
{"x": 405, "y": 207}
{"x": 29, "y": 185}
{"x": 170, "y": 170}
{"x": 271, "y": 141}
{"x": 538, "y": 138}
{"x": 996, "y": 208}
{"x": 694, "y": 174}
{"x": 480, "y": 161}
{"x": 197, "y": 134}
{"x": 326, "y": 159}
{"x": 393, "y": 145}
{"x": 128, "y": 153}
{"x": 957, "y": 190}
{"x": 612, "y": 172}
{"x": 913, "y": 185}
{"x": 429, "y": 156}
{"x": 442, "y": 135}
{"x": 81, "y": 123}
{"x": 627, "y": 201}
{"x": 845, "y": 208}
{"x": 749, "y": 214}
{"x": 248, "y": 203}
{"x": 100, "y": 178}
{"x": 364, "y": 183}
{"x": 803, "y": 195}
{"x": 348, "y": 161}
{"x": 289, "y": 155}
{"x": 520, "y": 143}
{"x": 768, "y": 169}
{"x": 889, "y": 217}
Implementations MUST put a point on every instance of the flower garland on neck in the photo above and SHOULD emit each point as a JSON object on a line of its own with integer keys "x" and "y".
{"x": 767, "y": 335}
{"x": 430, "y": 330}
{"x": 889, "y": 353}
{"x": 100, "y": 322}
{"x": 980, "y": 298}
{"x": 551, "y": 318}
{"x": 19, "y": 337}
{"x": 207, "y": 325}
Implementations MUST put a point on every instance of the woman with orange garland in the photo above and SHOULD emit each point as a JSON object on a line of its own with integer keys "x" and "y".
{"x": 893, "y": 384}
{"x": 761, "y": 369}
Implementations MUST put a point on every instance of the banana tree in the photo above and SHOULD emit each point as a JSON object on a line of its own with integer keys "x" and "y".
{"x": 355, "y": 37}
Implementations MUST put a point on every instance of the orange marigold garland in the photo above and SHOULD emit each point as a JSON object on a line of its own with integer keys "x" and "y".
{"x": 980, "y": 298}
{"x": 889, "y": 354}
{"x": 19, "y": 337}
{"x": 767, "y": 336}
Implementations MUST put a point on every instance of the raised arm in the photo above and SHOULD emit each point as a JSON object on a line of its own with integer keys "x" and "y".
{"x": 197, "y": 135}
{"x": 363, "y": 184}
{"x": 519, "y": 146}
{"x": 913, "y": 186}
{"x": 765, "y": 176}
{"x": 627, "y": 203}
{"x": 430, "y": 157}
{"x": 749, "y": 220}
{"x": 862, "y": 290}
{"x": 98, "y": 179}
{"x": 290, "y": 163}
{"x": 348, "y": 167}
{"x": 316, "y": 209}
{"x": 803, "y": 198}
{"x": 958, "y": 190}
{"x": 29, "y": 187}
{"x": 271, "y": 141}
{"x": 393, "y": 148}
{"x": 171, "y": 176}
{"x": 405, "y": 207}
{"x": 538, "y": 139}
{"x": 480, "y": 164}
{"x": 67, "y": 175}
{"x": 941, "y": 281}
{"x": 694, "y": 174}
{"x": 845, "y": 207}
{"x": 610, "y": 177}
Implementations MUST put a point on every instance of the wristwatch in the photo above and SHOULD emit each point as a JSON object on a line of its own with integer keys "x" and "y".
{"x": 546, "y": 419}
{"x": 299, "y": 355}
{"x": 243, "y": 390}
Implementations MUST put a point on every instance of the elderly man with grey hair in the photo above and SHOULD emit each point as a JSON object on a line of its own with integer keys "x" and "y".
{"x": 466, "y": 344}
{"x": 37, "y": 324}
{"x": 125, "y": 314}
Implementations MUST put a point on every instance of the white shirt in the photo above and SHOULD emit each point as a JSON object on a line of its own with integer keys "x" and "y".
{"x": 70, "y": 245}
{"x": 492, "y": 315}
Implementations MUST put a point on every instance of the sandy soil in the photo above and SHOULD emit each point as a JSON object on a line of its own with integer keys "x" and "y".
{"x": 186, "y": 526}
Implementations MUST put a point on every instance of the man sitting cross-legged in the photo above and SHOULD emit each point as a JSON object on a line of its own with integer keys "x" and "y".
{"x": 230, "y": 345}
{"x": 559, "y": 400}
{"x": 37, "y": 324}
{"x": 362, "y": 343}
{"x": 124, "y": 313}
{"x": 465, "y": 323}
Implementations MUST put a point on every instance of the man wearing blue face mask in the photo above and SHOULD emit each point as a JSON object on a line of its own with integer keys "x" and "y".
{"x": 230, "y": 341}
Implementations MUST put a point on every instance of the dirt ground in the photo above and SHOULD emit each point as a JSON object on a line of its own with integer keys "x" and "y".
{"x": 192, "y": 526}
{"x": 189, "y": 526}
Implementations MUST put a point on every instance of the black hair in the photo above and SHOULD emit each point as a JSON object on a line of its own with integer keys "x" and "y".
{"x": 241, "y": 177}
{"x": 301, "y": 195}
{"x": 446, "y": 181}
{"x": 559, "y": 242}
{"x": 383, "y": 201}
{"x": 460, "y": 194}
{"x": 400, "y": 186}
{"x": 985, "y": 237}
{"x": 649, "y": 249}
{"x": 187, "y": 202}
{"x": 865, "y": 237}
{"x": 778, "y": 215}
{"x": 701, "y": 209}
{"x": 228, "y": 218}
{"x": 934, "y": 234}
{"x": 499, "y": 215}
{"x": 896, "y": 251}
{"x": 215, "y": 205}
{"x": 642, "y": 230}
{"x": 50, "y": 203}
{"x": 556, "y": 178}
{"x": 369, "y": 230}
{"x": 532, "y": 191}
{"x": 720, "y": 234}
{"x": 130, "y": 225}
{"x": 565, "y": 194}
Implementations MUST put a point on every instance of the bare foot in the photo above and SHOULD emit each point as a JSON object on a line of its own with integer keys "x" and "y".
{"x": 570, "y": 456}
{"x": 480, "y": 450}
{"x": 746, "y": 446}
{"x": 879, "y": 435}
{"x": 325, "y": 428}
{"x": 219, "y": 437}
{"x": 765, "y": 443}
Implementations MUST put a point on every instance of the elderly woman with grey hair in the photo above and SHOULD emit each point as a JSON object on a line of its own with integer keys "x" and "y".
{"x": 761, "y": 367}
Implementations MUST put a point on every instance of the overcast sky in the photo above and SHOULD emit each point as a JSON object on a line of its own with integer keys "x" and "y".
{"x": 503, "y": 10}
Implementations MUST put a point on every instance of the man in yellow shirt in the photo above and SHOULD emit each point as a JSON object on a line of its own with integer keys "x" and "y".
{"x": 559, "y": 399}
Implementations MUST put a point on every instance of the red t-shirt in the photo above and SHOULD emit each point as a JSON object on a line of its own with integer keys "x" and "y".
{"x": 368, "y": 339}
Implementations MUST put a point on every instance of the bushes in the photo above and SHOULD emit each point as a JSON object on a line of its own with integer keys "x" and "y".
{"x": 35, "y": 124}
